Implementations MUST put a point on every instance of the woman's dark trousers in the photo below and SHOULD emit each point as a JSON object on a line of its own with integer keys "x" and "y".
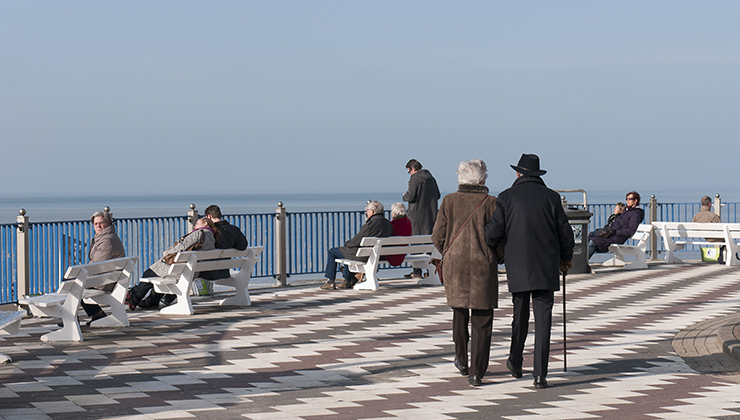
{"x": 481, "y": 327}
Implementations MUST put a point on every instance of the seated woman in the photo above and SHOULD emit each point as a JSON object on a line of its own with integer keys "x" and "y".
{"x": 106, "y": 245}
{"x": 620, "y": 229}
{"x": 401, "y": 227}
{"x": 618, "y": 210}
{"x": 202, "y": 238}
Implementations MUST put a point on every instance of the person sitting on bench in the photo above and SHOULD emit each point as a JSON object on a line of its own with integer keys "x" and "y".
{"x": 620, "y": 230}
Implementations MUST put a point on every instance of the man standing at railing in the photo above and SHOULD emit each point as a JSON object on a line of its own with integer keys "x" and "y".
{"x": 422, "y": 196}
{"x": 376, "y": 226}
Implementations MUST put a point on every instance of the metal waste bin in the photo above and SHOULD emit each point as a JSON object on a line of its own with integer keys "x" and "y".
{"x": 579, "y": 220}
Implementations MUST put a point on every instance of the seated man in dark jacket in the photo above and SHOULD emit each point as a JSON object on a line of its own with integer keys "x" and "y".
{"x": 376, "y": 226}
{"x": 620, "y": 230}
{"x": 231, "y": 238}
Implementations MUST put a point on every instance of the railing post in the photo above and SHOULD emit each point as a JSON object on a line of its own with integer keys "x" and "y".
{"x": 192, "y": 217}
{"x": 281, "y": 252}
{"x": 23, "y": 281}
{"x": 718, "y": 205}
{"x": 653, "y": 235}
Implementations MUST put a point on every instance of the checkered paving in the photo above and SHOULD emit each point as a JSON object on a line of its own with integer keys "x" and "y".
{"x": 304, "y": 353}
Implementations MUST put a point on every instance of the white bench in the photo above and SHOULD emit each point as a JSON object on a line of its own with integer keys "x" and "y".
{"x": 188, "y": 263}
{"x": 642, "y": 234}
{"x": 418, "y": 249}
{"x": 10, "y": 322}
{"x": 676, "y": 235}
{"x": 77, "y": 284}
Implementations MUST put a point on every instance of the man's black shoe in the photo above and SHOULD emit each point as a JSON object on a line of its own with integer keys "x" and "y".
{"x": 540, "y": 382}
{"x": 475, "y": 380}
{"x": 463, "y": 369}
{"x": 515, "y": 371}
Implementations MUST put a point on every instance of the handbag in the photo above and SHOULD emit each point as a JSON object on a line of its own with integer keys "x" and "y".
{"x": 170, "y": 258}
{"x": 437, "y": 262}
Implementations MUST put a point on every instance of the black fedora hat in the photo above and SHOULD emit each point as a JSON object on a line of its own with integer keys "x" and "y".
{"x": 529, "y": 165}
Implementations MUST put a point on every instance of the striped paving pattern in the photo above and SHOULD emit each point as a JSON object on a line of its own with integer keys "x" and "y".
{"x": 303, "y": 353}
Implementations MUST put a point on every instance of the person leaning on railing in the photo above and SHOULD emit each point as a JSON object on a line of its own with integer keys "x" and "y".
{"x": 620, "y": 229}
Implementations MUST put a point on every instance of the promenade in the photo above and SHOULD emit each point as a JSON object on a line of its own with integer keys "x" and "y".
{"x": 641, "y": 344}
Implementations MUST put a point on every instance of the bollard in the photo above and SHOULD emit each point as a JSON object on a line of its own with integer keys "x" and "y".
{"x": 281, "y": 252}
{"x": 23, "y": 281}
{"x": 192, "y": 217}
{"x": 653, "y": 235}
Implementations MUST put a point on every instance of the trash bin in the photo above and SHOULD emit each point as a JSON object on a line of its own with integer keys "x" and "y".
{"x": 579, "y": 219}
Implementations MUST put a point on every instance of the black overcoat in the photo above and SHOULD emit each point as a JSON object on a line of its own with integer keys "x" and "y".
{"x": 422, "y": 196}
{"x": 530, "y": 220}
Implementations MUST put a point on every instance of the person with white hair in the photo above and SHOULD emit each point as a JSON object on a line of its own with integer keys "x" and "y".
{"x": 470, "y": 269}
{"x": 375, "y": 226}
{"x": 401, "y": 227}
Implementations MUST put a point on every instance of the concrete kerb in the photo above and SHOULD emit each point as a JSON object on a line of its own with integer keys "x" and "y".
{"x": 727, "y": 337}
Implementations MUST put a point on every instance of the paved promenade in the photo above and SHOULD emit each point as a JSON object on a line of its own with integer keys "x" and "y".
{"x": 641, "y": 345}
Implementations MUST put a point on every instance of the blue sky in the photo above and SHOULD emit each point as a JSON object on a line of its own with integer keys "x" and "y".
{"x": 301, "y": 96}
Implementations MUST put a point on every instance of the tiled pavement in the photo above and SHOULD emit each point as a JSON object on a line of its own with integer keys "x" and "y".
{"x": 304, "y": 353}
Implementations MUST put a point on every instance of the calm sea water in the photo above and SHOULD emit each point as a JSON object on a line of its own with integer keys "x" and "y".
{"x": 69, "y": 208}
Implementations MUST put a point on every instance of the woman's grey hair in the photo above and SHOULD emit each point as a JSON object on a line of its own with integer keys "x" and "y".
{"x": 104, "y": 214}
{"x": 472, "y": 172}
{"x": 398, "y": 210}
{"x": 375, "y": 206}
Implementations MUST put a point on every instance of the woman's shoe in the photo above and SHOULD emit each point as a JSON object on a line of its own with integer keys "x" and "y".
{"x": 96, "y": 317}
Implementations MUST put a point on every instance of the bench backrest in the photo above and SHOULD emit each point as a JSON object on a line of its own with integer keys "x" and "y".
{"x": 698, "y": 230}
{"x": 102, "y": 273}
{"x": 396, "y": 245}
{"x": 217, "y": 259}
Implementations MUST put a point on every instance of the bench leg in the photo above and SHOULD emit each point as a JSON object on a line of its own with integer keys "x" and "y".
{"x": 69, "y": 332}
{"x": 640, "y": 262}
{"x": 371, "y": 280}
{"x": 433, "y": 279}
{"x": 117, "y": 316}
{"x": 241, "y": 284}
{"x": 183, "y": 305}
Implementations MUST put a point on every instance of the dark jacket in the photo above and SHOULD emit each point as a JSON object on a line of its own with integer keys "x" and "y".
{"x": 422, "y": 197}
{"x": 376, "y": 226}
{"x": 230, "y": 238}
{"x": 624, "y": 227}
{"x": 470, "y": 268}
{"x": 401, "y": 227}
{"x": 530, "y": 220}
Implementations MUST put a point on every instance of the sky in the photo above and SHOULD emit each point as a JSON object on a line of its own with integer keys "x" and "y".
{"x": 140, "y": 97}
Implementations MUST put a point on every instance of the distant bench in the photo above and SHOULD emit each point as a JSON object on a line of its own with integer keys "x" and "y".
{"x": 188, "y": 263}
{"x": 418, "y": 250}
{"x": 77, "y": 285}
{"x": 676, "y": 235}
{"x": 10, "y": 322}
{"x": 641, "y": 236}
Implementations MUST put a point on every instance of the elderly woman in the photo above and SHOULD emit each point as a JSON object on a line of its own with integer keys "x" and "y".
{"x": 401, "y": 227}
{"x": 106, "y": 245}
{"x": 203, "y": 238}
{"x": 470, "y": 269}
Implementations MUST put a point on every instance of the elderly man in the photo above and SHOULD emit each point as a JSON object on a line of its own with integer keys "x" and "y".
{"x": 538, "y": 242}
{"x": 376, "y": 226}
{"x": 422, "y": 196}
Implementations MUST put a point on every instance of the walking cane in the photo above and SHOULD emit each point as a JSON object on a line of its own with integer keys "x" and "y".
{"x": 565, "y": 351}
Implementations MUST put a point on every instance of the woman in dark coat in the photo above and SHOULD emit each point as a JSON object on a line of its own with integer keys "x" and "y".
{"x": 470, "y": 269}
{"x": 620, "y": 230}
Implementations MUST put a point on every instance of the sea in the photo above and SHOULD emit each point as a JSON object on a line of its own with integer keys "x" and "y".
{"x": 54, "y": 208}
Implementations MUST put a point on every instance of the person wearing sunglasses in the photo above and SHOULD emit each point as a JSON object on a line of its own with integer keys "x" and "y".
{"x": 620, "y": 230}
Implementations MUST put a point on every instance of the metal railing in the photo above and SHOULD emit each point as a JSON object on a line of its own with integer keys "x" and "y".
{"x": 53, "y": 246}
